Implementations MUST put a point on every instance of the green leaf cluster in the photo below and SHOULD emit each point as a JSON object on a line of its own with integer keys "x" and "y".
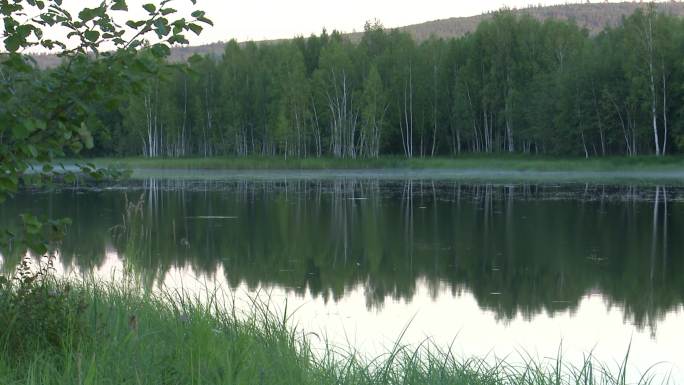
{"x": 48, "y": 114}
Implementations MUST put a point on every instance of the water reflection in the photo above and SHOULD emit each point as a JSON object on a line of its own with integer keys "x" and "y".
{"x": 519, "y": 249}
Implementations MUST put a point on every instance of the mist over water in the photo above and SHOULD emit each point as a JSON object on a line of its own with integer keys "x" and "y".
{"x": 491, "y": 267}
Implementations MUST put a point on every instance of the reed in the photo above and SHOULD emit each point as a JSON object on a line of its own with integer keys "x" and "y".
{"x": 61, "y": 332}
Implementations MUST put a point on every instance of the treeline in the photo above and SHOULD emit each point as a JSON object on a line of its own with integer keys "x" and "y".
{"x": 514, "y": 85}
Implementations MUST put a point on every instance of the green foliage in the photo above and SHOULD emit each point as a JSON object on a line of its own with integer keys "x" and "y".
{"x": 130, "y": 337}
{"x": 39, "y": 314}
{"x": 49, "y": 114}
{"x": 515, "y": 84}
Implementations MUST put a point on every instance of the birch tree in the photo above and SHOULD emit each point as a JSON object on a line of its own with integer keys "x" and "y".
{"x": 337, "y": 85}
{"x": 374, "y": 111}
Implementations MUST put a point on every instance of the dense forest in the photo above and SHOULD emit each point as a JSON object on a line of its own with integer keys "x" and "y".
{"x": 516, "y": 84}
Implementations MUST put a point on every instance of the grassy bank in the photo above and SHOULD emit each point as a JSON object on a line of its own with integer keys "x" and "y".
{"x": 494, "y": 162}
{"x": 61, "y": 333}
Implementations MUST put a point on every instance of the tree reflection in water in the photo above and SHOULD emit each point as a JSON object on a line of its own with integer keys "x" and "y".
{"x": 518, "y": 248}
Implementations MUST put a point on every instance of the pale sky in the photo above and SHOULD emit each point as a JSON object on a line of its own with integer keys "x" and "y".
{"x": 273, "y": 19}
{"x": 244, "y": 20}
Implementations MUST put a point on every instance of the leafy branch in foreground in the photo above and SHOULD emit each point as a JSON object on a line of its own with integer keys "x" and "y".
{"x": 45, "y": 115}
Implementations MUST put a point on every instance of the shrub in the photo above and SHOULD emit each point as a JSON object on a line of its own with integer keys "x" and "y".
{"x": 39, "y": 312}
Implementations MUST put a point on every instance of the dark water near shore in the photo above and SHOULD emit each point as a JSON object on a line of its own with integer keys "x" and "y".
{"x": 493, "y": 267}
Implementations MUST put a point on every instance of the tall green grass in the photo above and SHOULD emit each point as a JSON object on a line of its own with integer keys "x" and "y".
{"x": 59, "y": 332}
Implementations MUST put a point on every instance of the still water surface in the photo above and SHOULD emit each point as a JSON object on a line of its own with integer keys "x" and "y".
{"x": 496, "y": 269}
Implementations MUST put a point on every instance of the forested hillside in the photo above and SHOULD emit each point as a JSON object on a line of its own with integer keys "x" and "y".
{"x": 592, "y": 16}
{"x": 516, "y": 84}
{"x": 595, "y": 17}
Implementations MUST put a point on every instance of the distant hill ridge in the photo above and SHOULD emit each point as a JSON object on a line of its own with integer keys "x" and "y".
{"x": 592, "y": 16}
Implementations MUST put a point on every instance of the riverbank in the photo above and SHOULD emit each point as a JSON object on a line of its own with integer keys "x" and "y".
{"x": 472, "y": 169}
{"x": 70, "y": 333}
{"x": 471, "y": 162}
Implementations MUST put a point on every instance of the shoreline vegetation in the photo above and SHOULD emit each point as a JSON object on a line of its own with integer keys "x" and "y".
{"x": 474, "y": 163}
{"x": 100, "y": 333}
